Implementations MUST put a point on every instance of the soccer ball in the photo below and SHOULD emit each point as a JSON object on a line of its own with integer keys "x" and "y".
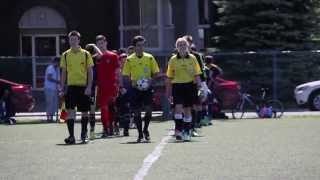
{"x": 143, "y": 84}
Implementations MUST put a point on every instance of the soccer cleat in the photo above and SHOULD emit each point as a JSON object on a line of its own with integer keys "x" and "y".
{"x": 125, "y": 133}
{"x": 104, "y": 135}
{"x": 70, "y": 140}
{"x": 116, "y": 131}
{"x": 84, "y": 139}
{"x": 92, "y": 135}
{"x": 146, "y": 136}
{"x": 194, "y": 133}
{"x": 140, "y": 138}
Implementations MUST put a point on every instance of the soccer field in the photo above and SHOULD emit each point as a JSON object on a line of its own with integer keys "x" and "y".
{"x": 286, "y": 148}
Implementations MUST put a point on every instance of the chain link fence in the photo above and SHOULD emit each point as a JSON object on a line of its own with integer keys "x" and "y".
{"x": 279, "y": 71}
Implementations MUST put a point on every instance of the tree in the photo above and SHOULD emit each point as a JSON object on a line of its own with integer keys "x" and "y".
{"x": 266, "y": 24}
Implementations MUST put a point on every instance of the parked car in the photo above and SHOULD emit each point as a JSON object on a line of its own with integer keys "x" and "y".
{"x": 308, "y": 94}
{"x": 21, "y": 96}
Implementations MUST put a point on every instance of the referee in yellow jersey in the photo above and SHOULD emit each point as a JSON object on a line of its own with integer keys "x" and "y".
{"x": 140, "y": 66}
{"x": 76, "y": 83}
{"x": 183, "y": 70}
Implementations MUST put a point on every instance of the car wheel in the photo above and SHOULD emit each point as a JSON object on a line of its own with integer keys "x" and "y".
{"x": 314, "y": 101}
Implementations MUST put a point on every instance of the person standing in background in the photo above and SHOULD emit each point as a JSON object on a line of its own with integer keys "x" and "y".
{"x": 51, "y": 83}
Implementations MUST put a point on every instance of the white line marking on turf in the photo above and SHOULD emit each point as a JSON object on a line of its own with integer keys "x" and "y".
{"x": 152, "y": 158}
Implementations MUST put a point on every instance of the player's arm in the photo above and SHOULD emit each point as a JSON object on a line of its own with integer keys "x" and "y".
{"x": 96, "y": 50}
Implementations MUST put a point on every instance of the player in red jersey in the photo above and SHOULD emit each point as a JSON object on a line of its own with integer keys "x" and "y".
{"x": 107, "y": 80}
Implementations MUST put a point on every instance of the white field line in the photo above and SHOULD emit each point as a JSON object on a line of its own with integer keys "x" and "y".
{"x": 152, "y": 158}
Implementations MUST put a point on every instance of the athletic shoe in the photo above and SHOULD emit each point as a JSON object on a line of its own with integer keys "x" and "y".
{"x": 146, "y": 135}
{"x": 92, "y": 135}
{"x": 11, "y": 121}
{"x": 84, "y": 139}
{"x": 140, "y": 138}
{"x": 116, "y": 131}
{"x": 70, "y": 140}
{"x": 194, "y": 133}
{"x": 104, "y": 135}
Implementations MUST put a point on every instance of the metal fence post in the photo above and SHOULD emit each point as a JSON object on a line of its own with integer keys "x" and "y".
{"x": 34, "y": 73}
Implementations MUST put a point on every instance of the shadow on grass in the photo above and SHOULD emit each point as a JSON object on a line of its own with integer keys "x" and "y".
{"x": 135, "y": 142}
{"x": 76, "y": 144}
{"x": 173, "y": 141}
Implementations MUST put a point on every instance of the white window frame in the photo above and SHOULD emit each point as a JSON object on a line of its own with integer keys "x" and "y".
{"x": 139, "y": 27}
{"x": 34, "y": 57}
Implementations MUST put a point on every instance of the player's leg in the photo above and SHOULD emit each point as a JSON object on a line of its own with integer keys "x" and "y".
{"x": 136, "y": 108}
{"x": 84, "y": 107}
{"x": 70, "y": 106}
{"x": 177, "y": 94}
{"x": 147, "y": 101}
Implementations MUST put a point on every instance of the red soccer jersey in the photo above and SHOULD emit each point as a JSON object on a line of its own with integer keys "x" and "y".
{"x": 107, "y": 67}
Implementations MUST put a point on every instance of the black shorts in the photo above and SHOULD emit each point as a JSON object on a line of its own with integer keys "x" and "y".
{"x": 138, "y": 98}
{"x": 75, "y": 97}
{"x": 183, "y": 93}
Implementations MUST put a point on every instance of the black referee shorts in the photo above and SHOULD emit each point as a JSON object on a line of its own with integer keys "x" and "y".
{"x": 75, "y": 97}
{"x": 183, "y": 93}
{"x": 139, "y": 99}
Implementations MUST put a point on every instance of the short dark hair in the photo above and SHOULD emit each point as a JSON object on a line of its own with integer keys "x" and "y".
{"x": 74, "y": 33}
{"x": 130, "y": 48}
{"x": 188, "y": 38}
{"x": 90, "y": 48}
{"x": 101, "y": 37}
{"x": 137, "y": 39}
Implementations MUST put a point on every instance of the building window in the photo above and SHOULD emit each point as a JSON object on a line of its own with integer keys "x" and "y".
{"x": 139, "y": 17}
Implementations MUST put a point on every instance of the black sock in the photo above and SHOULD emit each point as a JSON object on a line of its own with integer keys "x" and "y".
{"x": 92, "y": 122}
{"x": 199, "y": 117}
{"x": 84, "y": 126}
{"x": 147, "y": 119}
{"x": 138, "y": 122}
{"x": 126, "y": 122}
{"x": 194, "y": 116}
{"x": 70, "y": 125}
